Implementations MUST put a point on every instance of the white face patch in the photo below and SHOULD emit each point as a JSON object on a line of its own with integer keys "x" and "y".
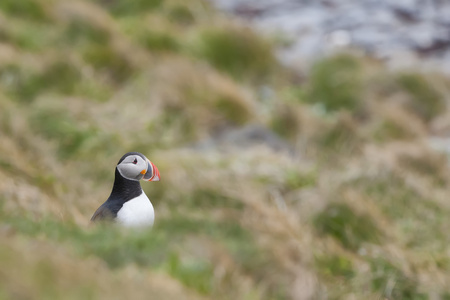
{"x": 132, "y": 167}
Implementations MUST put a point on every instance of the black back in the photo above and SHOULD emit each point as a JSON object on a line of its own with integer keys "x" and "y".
{"x": 123, "y": 190}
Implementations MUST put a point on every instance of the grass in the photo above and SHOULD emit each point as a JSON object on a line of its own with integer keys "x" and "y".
{"x": 392, "y": 282}
{"x": 197, "y": 275}
{"x": 335, "y": 266}
{"x": 63, "y": 274}
{"x": 116, "y": 248}
{"x": 335, "y": 84}
{"x": 59, "y": 126}
{"x": 298, "y": 180}
{"x": 27, "y": 9}
{"x": 391, "y": 130}
{"x": 123, "y": 8}
{"x": 105, "y": 60}
{"x": 352, "y": 230}
{"x": 236, "y": 51}
{"x": 425, "y": 101}
{"x": 181, "y": 15}
{"x": 82, "y": 32}
{"x": 159, "y": 41}
{"x": 286, "y": 122}
{"x": 340, "y": 136}
{"x": 156, "y": 249}
{"x": 30, "y": 37}
{"x": 409, "y": 211}
{"x": 18, "y": 83}
{"x": 209, "y": 198}
{"x": 338, "y": 196}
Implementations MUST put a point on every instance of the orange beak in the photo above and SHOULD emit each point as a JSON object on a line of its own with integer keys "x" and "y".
{"x": 152, "y": 172}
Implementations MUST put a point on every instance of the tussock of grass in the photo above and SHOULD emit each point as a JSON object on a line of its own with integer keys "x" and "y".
{"x": 392, "y": 282}
{"x": 425, "y": 101}
{"x": 159, "y": 41}
{"x": 415, "y": 217}
{"x": 108, "y": 62}
{"x": 430, "y": 165}
{"x": 339, "y": 136}
{"x": 59, "y": 76}
{"x": 207, "y": 198}
{"x": 396, "y": 124}
{"x": 335, "y": 84}
{"x": 196, "y": 275}
{"x": 63, "y": 275}
{"x": 335, "y": 266}
{"x": 25, "y": 36}
{"x": 80, "y": 31}
{"x": 298, "y": 180}
{"x": 29, "y": 9}
{"x": 348, "y": 227}
{"x": 286, "y": 122}
{"x": 181, "y": 15}
{"x": 237, "y": 51}
{"x": 124, "y": 8}
{"x": 58, "y": 125}
{"x": 198, "y": 105}
{"x": 17, "y": 82}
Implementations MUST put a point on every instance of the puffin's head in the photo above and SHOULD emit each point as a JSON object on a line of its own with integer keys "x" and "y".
{"x": 135, "y": 166}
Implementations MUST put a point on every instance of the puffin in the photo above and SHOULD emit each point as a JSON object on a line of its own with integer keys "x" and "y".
{"x": 128, "y": 205}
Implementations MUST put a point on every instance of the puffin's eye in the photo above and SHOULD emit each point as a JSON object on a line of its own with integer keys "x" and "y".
{"x": 135, "y": 161}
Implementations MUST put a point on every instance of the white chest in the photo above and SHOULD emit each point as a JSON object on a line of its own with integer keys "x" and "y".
{"x": 137, "y": 212}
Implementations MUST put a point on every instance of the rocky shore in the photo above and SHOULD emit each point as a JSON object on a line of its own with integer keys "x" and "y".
{"x": 404, "y": 33}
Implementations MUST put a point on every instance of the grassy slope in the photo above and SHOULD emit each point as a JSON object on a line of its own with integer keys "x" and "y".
{"x": 354, "y": 206}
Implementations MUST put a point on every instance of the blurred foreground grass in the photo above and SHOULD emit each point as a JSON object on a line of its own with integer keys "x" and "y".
{"x": 274, "y": 185}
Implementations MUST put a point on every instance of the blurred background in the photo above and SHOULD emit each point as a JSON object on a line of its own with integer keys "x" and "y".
{"x": 303, "y": 148}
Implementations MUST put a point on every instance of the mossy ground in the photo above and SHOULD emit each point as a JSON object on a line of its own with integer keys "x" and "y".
{"x": 347, "y": 202}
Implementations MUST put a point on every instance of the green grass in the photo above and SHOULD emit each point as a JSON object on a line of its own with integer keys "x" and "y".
{"x": 335, "y": 266}
{"x": 29, "y": 37}
{"x": 195, "y": 274}
{"x": 108, "y": 62}
{"x": 286, "y": 123}
{"x": 351, "y": 229}
{"x": 157, "y": 249}
{"x": 335, "y": 83}
{"x": 158, "y": 41}
{"x": 59, "y": 126}
{"x": 298, "y": 180}
{"x": 339, "y": 136}
{"x": 60, "y": 76}
{"x": 238, "y": 52}
{"x": 116, "y": 247}
{"x": 418, "y": 220}
{"x": 123, "y": 8}
{"x": 233, "y": 110}
{"x": 430, "y": 165}
{"x": 19, "y": 83}
{"x": 207, "y": 198}
{"x": 84, "y": 33}
{"x": 392, "y": 282}
{"x": 390, "y": 130}
{"x": 425, "y": 101}
{"x": 181, "y": 15}
{"x": 27, "y": 9}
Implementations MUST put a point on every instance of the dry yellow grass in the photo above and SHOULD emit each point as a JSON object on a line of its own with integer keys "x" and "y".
{"x": 29, "y": 272}
{"x": 271, "y": 188}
